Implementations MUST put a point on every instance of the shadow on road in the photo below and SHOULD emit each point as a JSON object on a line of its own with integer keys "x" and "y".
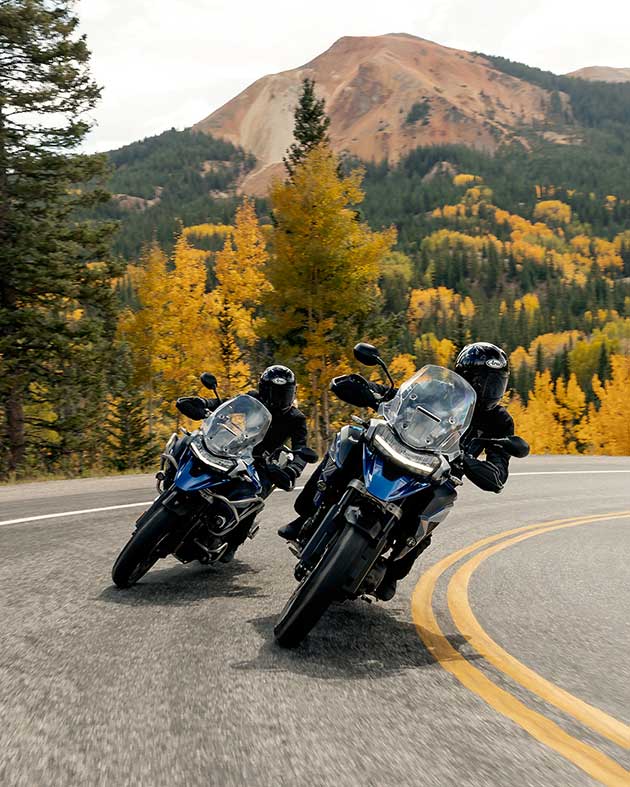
{"x": 352, "y": 641}
{"x": 181, "y": 585}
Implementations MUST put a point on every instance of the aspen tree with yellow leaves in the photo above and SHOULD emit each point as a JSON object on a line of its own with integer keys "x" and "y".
{"x": 324, "y": 270}
{"x": 241, "y": 286}
{"x": 142, "y": 329}
{"x": 606, "y": 427}
{"x": 539, "y": 423}
{"x": 187, "y": 344}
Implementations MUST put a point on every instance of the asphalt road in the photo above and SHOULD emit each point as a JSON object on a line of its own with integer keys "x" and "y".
{"x": 177, "y": 680}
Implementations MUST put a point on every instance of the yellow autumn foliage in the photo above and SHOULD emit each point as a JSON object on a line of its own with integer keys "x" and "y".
{"x": 464, "y": 179}
{"x": 606, "y": 427}
{"x": 207, "y": 230}
{"x": 241, "y": 286}
{"x": 539, "y": 422}
{"x": 402, "y": 367}
{"x": 553, "y": 210}
{"x": 435, "y": 303}
{"x": 323, "y": 269}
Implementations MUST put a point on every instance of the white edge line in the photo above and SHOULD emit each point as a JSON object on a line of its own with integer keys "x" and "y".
{"x": 72, "y": 513}
{"x": 24, "y": 520}
{"x": 568, "y": 472}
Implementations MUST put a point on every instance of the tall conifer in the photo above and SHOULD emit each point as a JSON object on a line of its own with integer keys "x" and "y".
{"x": 56, "y": 304}
{"x": 311, "y": 125}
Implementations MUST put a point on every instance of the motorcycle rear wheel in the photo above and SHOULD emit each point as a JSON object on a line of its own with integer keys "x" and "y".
{"x": 319, "y": 589}
{"x": 142, "y": 551}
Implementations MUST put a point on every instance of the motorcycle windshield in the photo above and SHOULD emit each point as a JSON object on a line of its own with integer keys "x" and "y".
{"x": 236, "y": 426}
{"x": 431, "y": 410}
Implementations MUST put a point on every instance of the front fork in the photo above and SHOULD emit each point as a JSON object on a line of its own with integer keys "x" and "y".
{"x": 378, "y": 534}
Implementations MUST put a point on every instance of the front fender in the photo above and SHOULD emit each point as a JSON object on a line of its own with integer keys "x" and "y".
{"x": 191, "y": 478}
{"x": 386, "y": 483}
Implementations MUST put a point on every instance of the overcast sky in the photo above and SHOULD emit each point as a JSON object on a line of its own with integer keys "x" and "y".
{"x": 166, "y": 63}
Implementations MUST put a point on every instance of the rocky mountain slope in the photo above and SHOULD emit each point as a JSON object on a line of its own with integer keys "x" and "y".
{"x": 386, "y": 95}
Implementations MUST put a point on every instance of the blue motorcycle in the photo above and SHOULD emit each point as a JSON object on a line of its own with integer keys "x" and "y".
{"x": 386, "y": 484}
{"x": 209, "y": 482}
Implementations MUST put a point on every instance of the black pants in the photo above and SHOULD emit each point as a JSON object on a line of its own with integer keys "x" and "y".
{"x": 305, "y": 502}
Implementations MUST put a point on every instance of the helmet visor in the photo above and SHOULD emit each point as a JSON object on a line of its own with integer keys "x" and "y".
{"x": 490, "y": 387}
{"x": 279, "y": 394}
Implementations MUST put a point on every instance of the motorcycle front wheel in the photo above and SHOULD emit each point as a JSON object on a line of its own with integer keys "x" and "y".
{"x": 142, "y": 551}
{"x": 319, "y": 589}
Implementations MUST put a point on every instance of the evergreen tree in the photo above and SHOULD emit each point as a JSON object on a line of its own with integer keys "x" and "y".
{"x": 603, "y": 365}
{"x": 56, "y": 305}
{"x": 128, "y": 442}
{"x": 311, "y": 125}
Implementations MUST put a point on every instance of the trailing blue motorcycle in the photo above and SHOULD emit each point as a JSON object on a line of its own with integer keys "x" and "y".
{"x": 209, "y": 481}
{"x": 400, "y": 473}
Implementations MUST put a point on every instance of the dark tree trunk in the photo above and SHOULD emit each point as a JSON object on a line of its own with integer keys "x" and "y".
{"x": 14, "y": 424}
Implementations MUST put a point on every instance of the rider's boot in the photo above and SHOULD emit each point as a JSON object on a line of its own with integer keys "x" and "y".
{"x": 399, "y": 569}
{"x": 291, "y": 531}
{"x": 387, "y": 588}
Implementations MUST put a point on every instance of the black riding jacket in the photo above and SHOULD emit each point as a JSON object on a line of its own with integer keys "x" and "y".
{"x": 492, "y": 474}
{"x": 285, "y": 427}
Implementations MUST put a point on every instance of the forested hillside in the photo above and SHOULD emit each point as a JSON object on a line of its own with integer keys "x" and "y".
{"x": 173, "y": 178}
{"x": 527, "y": 247}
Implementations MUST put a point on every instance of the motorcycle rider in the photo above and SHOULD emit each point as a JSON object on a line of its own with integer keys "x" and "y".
{"x": 485, "y": 366}
{"x": 277, "y": 389}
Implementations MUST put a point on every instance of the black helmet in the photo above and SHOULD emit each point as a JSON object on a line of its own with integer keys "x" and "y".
{"x": 277, "y": 388}
{"x": 485, "y": 366}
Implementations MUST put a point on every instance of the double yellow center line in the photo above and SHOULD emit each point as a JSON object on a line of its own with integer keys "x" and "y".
{"x": 589, "y": 759}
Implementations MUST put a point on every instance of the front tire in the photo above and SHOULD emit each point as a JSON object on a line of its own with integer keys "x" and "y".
{"x": 319, "y": 589}
{"x": 142, "y": 551}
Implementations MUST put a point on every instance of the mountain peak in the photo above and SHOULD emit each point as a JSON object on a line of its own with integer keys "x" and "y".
{"x": 385, "y": 95}
{"x": 602, "y": 74}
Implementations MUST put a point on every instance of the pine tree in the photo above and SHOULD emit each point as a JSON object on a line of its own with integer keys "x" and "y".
{"x": 311, "y": 125}
{"x": 603, "y": 364}
{"x": 56, "y": 306}
{"x": 129, "y": 445}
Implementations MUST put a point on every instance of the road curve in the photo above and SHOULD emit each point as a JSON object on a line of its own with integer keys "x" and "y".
{"x": 510, "y": 667}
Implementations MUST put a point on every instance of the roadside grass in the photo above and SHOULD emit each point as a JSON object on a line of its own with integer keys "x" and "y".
{"x": 94, "y": 472}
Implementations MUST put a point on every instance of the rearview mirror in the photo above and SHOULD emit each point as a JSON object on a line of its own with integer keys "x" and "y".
{"x": 209, "y": 381}
{"x": 366, "y": 354}
{"x": 308, "y": 455}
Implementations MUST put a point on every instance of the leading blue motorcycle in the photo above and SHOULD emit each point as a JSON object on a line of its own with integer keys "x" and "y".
{"x": 398, "y": 485}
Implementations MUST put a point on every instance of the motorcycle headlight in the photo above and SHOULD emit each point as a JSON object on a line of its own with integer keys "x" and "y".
{"x": 222, "y": 463}
{"x": 417, "y": 462}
